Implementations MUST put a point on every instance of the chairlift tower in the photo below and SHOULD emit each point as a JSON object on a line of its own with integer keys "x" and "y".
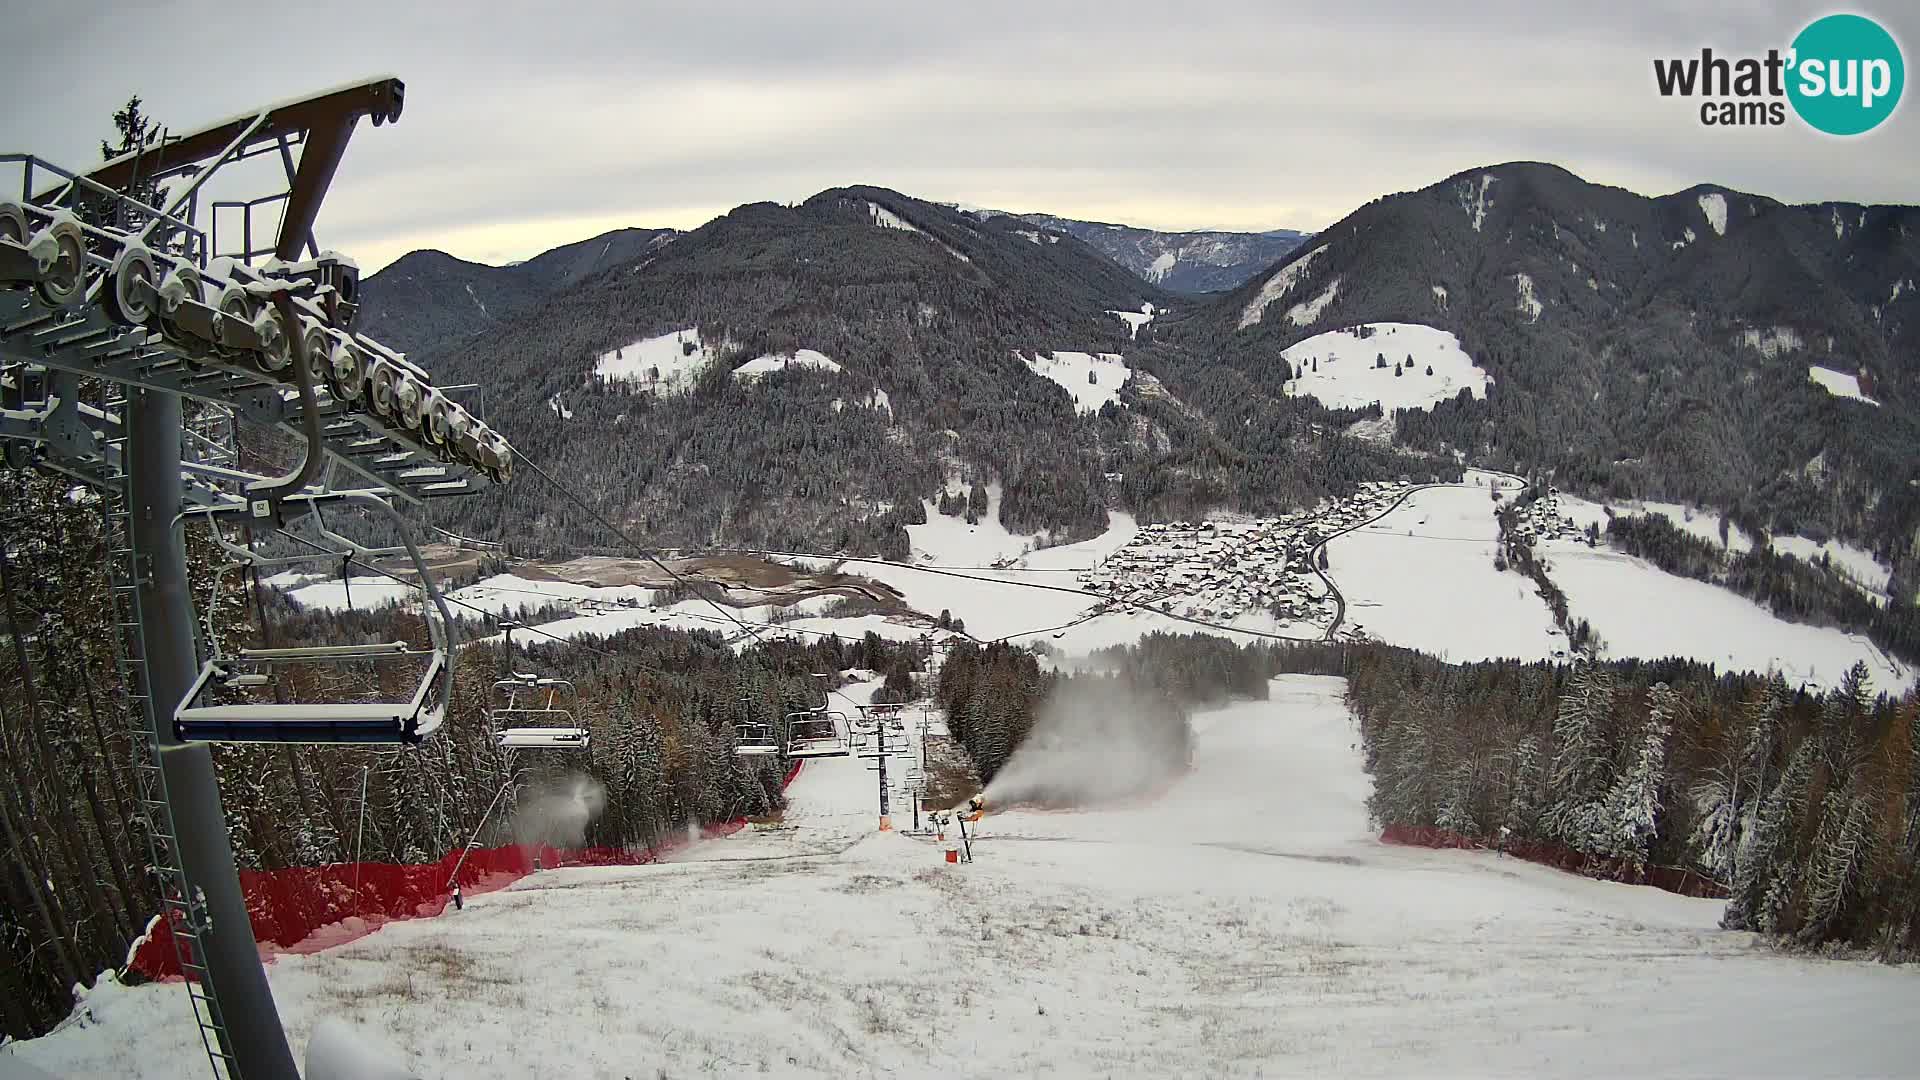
{"x": 877, "y": 724}
{"x": 114, "y": 313}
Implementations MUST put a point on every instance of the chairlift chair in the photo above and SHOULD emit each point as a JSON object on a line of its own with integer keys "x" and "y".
{"x": 544, "y": 726}
{"x": 545, "y": 738}
{"x": 878, "y": 746}
{"x": 405, "y": 721}
{"x": 755, "y": 738}
{"x": 816, "y": 733}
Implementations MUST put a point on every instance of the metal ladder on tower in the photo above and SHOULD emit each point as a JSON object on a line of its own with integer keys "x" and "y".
{"x": 180, "y": 905}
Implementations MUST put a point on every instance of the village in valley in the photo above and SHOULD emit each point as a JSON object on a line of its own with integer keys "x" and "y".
{"x": 1544, "y": 519}
{"x": 1222, "y": 569}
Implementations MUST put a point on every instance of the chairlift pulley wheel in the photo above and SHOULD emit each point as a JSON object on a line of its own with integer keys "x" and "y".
{"x": 346, "y": 373}
{"x": 232, "y": 304}
{"x": 181, "y": 284}
{"x": 276, "y": 341}
{"x": 127, "y": 297}
{"x": 13, "y": 223}
{"x": 380, "y": 389}
{"x": 319, "y": 349}
{"x": 64, "y": 282}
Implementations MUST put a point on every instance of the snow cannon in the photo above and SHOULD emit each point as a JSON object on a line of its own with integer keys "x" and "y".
{"x": 976, "y": 807}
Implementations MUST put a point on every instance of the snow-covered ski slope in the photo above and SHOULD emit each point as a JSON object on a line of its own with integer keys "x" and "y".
{"x": 835, "y": 801}
{"x": 1245, "y": 923}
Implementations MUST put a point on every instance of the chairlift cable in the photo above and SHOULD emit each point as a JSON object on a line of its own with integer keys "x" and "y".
{"x": 649, "y": 555}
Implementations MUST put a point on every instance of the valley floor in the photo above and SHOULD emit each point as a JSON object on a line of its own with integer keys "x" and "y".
{"x": 1244, "y": 923}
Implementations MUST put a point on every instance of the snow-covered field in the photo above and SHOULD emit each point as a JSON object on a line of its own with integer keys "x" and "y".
{"x": 887, "y": 219}
{"x": 1092, "y": 379}
{"x": 802, "y": 358}
{"x": 1838, "y": 383}
{"x": 1696, "y": 521}
{"x": 360, "y": 593}
{"x": 950, "y": 541}
{"x": 1640, "y": 610}
{"x": 1856, "y": 563}
{"x": 1134, "y": 319}
{"x": 500, "y": 594}
{"x": 1423, "y": 577}
{"x": 1340, "y": 368}
{"x": 604, "y": 610}
{"x": 1714, "y": 205}
{"x": 1245, "y": 923}
{"x": 669, "y": 363}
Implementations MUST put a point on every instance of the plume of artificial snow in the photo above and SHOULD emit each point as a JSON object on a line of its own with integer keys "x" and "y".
{"x": 1095, "y": 741}
{"x": 557, "y": 814}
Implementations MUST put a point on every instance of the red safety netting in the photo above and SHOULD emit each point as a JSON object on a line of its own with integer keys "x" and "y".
{"x": 1674, "y": 879}
{"x": 303, "y": 909}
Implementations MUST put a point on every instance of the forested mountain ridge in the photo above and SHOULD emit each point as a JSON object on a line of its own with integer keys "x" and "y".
{"x": 925, "y": 314}
{"x": 429, "y": 299}
{"x": 1201, "y": 261}
{"x": 1645, "y": 346}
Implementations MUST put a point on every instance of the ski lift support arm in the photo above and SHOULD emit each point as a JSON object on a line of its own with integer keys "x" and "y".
{"x": 326, "y": 120}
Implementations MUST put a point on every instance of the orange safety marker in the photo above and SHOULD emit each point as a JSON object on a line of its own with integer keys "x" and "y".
{"x": 886, "y": 823}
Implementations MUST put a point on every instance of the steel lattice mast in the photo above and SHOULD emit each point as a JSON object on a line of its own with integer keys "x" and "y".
{"x": 108, "y": 334}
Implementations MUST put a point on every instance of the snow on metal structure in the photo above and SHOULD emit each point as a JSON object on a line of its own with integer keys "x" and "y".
{"x": 118, "y": 308}
{"x": 257, "y": 670}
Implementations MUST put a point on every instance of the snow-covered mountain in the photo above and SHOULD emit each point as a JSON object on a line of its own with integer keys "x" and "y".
{"x": 883, "y": 344}
{"x": 1181, "y": 262}
{"x": 1708, "y": 346}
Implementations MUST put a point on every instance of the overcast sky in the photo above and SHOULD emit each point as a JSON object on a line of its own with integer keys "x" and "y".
{"x": 529, "y": 125}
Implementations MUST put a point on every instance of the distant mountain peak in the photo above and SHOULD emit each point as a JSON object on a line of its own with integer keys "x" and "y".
{"x": 428, "y": 298}
{"x": 1200, "y": 261}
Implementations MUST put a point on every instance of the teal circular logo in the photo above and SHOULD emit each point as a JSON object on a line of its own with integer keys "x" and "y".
{"x": 1846, "y": 74}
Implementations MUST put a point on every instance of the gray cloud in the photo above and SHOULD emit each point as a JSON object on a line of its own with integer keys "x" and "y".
{"x": 529, "y": 125}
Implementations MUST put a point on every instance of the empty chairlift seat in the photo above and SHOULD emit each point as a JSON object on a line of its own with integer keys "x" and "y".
{"x": 544, "y": 726}
{"x": 756, "y": 738}
{"x": 406, "y": 721}
{"x": 816, "y": 734}
{"x": 545, "y": 738}
{"x": 250, "y": 672}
